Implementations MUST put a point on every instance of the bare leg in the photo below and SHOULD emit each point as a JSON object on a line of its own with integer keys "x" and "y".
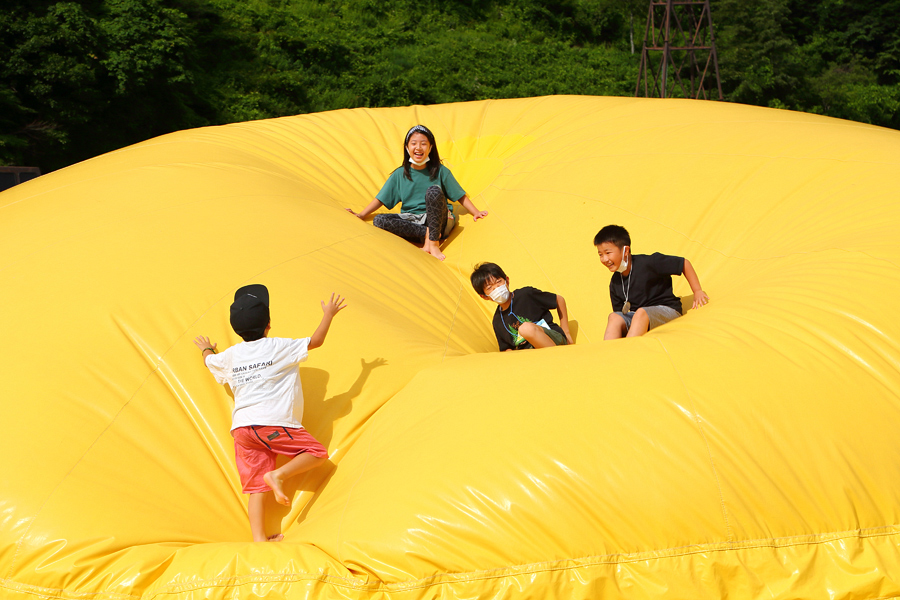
{"x": 640, "y": 323}
{"x": 258, "y": 521}
{"x": 535, "y": 335}
{"x": 257, "y": 516}
{"x": 300, "y": 463}
{"x": 615, "y": 327}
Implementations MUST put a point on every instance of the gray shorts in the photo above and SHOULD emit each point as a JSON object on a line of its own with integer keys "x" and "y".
{"x": 659, "y": 315}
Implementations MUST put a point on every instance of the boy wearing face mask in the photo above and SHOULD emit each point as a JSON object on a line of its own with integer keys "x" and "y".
{"x": 522, "y": 319}
{"x": 641, "y": 285}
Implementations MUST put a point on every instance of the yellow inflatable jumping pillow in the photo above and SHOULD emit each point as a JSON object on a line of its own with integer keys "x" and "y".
{"x": 746, "y": 450}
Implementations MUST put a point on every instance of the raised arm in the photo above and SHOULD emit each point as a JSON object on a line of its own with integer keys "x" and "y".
{"x": 205, "y": 346}
{"x": 330, "y": 309}
{"x": 368, "y": 210}
{"x": 476, "y": 214}
{"x": 700, "y": 297}
{"x": 563, "y": 317}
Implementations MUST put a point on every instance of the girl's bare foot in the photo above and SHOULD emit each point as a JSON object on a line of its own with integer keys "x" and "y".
{"x": 275, "y": 537}
{"x": 433, "y": 248}
{"x": 277, "y": 485}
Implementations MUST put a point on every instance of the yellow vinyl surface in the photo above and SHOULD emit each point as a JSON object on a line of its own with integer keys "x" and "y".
{"x": 750, "y": 449}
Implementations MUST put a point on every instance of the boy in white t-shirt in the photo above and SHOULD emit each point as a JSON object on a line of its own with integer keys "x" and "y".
{"x": 264, "y": 376}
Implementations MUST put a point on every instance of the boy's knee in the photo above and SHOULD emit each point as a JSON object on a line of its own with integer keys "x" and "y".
{"x": 378, "y": 221}
{"x": 640, "y": 315}
{"x": 615, "y": 318}
{"x": 528, "y": 330}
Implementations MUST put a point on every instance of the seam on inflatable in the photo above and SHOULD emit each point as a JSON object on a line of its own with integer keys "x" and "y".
{"x": 530, "y": 568}
{"x": 712, "y": 463}
{"x": 44, "y": 592}
{"x": 449, "y": 578}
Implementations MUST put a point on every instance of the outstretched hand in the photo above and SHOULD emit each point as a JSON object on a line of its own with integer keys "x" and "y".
{"x": 354, "y": 213}
{"x": 334, "y": 305}
{"x": 700, "y": 298}
{"x": 204, "y": 343}
{"x": 479, "y": 215}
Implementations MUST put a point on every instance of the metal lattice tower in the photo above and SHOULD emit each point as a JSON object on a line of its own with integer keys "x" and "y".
{"x": 678, "y": 59}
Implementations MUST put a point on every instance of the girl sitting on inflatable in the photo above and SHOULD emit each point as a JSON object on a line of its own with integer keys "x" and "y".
{"x": 422, "y": 192}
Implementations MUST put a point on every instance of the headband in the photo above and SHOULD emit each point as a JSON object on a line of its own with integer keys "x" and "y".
{"x": 420, "y": 129}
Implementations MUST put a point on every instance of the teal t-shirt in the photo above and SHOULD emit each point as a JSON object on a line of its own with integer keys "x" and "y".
{"x": 411, "y": 194}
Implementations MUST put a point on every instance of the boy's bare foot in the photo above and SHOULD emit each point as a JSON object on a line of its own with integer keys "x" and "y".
{"x": 277, "y": 486}
{"x": 275, "y": 537}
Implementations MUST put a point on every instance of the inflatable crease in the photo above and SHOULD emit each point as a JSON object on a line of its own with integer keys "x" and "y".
{"x": 450, "y": 578}
{"x": 582, "y": 562}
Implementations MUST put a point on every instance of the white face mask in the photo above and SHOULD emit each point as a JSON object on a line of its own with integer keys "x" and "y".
{"x": 624, "y": 264}
{"x": 419, "y": 164}
{"x": 500, "y": 294}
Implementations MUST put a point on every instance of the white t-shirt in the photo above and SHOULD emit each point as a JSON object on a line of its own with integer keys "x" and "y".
{"x": 265, "y": 379}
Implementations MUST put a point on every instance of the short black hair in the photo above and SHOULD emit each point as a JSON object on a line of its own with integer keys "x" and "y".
{"x": 253, "y": 335}
{"x": 614, "y": 234}
{"x": 483, "y": 273}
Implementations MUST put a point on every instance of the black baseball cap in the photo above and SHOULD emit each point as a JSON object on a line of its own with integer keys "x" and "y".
{"x": 250, "y": 312}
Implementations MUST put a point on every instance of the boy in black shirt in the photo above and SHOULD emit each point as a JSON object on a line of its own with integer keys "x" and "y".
{"x": 641, "y": 286}
{"x": 522, "y": 319}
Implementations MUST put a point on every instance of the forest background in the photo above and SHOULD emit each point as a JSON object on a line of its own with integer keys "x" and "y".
{"x": 81, "y": 78}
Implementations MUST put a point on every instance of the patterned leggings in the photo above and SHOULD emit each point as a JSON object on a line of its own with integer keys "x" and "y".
{"x": 435, "y": 219}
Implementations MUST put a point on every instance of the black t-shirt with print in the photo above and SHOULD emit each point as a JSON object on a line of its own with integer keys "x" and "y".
{"x": 528, "y": 304}
{"x": 651, "y": 282}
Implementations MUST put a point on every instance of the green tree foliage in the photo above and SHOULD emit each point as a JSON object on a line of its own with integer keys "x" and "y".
{"x": 759, "y": 59}
{"x": 835, "y": 57}
{"x": 314, "y": 56}
{"x": 83, "y": 77}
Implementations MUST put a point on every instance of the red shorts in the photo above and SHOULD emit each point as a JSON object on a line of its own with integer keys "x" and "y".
{"x": 255, "y": 447}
